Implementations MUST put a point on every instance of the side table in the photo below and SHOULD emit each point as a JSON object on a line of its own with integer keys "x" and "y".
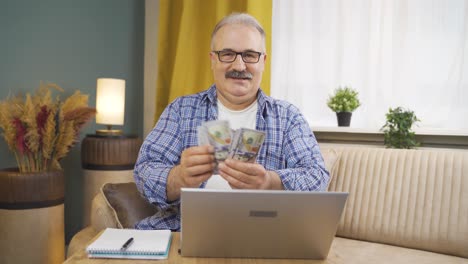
{"x": 106, "y": 158}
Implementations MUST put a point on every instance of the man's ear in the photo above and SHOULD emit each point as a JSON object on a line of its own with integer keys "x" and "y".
{"x": 212, "y": 59}
{"x": 264, "y": 61}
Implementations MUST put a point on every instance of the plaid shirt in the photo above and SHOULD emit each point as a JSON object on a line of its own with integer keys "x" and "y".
{"x": 290, "y": 149}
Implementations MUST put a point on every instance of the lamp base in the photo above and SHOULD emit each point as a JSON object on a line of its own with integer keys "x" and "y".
{"x": 109, "y": 132}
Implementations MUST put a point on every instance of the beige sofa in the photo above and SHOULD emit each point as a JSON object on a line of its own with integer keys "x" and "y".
{"x": 404, "y": 206}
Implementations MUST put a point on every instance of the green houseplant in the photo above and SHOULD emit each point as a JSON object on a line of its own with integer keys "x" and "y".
{"x": 397, "y": 129}
{"x": 343, "y": 102}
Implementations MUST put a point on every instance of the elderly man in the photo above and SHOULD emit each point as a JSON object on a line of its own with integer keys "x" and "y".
{"x": 170, "y": 157}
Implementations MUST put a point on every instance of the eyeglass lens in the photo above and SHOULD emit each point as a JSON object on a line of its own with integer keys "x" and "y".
{"x": 247, "y": 56}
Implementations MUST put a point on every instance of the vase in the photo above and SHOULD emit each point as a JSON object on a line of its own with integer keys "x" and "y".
{"x": 32, "y": 217}
{"x": 344, "y": 118}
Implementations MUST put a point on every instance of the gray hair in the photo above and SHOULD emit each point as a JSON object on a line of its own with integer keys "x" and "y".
{"x": 238, "y": 18}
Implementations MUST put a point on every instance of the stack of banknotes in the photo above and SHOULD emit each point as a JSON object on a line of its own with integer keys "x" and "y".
{"x": 241, "y": 144}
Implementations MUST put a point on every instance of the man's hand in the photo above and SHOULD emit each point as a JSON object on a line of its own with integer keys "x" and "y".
{"x": 243, "y": 175}
{"x": 196, "y": 166}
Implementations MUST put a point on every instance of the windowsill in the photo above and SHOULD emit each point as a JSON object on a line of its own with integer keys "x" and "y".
{"x": 428, "y": 138}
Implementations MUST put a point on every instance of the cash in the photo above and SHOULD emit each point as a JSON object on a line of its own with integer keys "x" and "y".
{"x": 218, "y": 134}
{"x": 242, "y": 144}
{"x": 246, "y": 144}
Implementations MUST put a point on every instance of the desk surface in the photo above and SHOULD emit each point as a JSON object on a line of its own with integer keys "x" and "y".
{"x": 343, "y": 251}
{"x": 174, "y": 257}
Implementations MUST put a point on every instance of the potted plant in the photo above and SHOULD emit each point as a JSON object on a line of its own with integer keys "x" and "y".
{"x": 40, "y": 130}
{"x": 397, "y": 129}
{"x": 343, "y": 102}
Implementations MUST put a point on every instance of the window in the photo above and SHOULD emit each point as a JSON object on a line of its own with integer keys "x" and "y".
{"x": 412, "y": 54}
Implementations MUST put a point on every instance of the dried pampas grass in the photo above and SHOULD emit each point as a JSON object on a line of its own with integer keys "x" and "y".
{"x": 41, "y": 130}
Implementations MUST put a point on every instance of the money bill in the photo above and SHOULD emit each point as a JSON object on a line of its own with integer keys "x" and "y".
{"x": 246, "y": 144}
{"x": 218, "y": 134}
{"x": 202, "y": 136}
{"x": 242, "y": 144}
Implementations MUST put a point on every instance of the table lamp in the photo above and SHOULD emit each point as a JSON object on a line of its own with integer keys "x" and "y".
{"x": 110, "y": 105}
{"x": 109, "y": 155}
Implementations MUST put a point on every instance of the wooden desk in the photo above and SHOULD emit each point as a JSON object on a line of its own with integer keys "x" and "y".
{"x": 343, "y": 251}
{"x": 82, "y": 258}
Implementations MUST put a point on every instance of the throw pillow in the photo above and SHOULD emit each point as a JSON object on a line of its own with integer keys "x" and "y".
{"x": 129, "y": 206}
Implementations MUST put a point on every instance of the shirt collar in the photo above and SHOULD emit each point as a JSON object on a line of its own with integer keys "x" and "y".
{"x": 211, "y": 94}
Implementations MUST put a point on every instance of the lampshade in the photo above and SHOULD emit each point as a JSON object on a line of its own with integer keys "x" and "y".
{"x": 110, "y": 102}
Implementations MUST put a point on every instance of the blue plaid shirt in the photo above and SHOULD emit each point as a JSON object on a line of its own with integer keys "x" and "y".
{"x": 290, "y": 149}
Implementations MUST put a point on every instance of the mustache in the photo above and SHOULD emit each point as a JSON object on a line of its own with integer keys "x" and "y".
{"x": 239, "y": 75}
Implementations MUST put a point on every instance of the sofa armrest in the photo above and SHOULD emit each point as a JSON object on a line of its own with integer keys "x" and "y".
{"x": 80, "y": 240}
{"x": 102, "y": 216}
{"x": 116, "y": 205}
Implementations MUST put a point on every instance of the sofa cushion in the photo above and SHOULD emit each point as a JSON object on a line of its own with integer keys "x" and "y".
{"x": 330, "y": 157}
{"x": 102, "y": 213}
{"x": 345, "y": 251}
{"x": 127, "y": 203}
{"x": 411, "y": 198}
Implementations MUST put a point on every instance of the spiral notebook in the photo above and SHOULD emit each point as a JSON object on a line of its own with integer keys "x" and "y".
{"x": 145, "y": 244}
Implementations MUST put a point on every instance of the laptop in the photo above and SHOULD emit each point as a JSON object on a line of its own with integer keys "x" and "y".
{"x": 259, "y": 223}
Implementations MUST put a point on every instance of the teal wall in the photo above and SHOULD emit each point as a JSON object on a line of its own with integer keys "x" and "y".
{"x": 72, "y": 43}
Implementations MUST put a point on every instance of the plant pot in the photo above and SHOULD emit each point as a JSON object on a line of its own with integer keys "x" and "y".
{"x": 344, "y": 118}
{"x": 32, "y": 217}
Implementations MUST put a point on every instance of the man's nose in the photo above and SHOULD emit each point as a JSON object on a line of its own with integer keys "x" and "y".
{"x": 238, "y": 64}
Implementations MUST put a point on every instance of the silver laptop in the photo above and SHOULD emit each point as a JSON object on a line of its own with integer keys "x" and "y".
{"x": 259, "y": 223}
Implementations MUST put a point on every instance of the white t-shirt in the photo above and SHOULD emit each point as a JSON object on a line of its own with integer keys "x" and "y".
{"x": 237, "y": 119}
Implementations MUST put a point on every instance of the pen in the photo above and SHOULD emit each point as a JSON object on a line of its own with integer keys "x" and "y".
{"x": 127, "y": 244}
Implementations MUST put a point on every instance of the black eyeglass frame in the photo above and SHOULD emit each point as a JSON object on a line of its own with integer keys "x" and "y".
{"x": 238, "y": 53}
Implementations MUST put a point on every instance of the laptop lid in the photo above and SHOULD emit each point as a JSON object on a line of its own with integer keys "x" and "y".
{"x": 259, "y": 223}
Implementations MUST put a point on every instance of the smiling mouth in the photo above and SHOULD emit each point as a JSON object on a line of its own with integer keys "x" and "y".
{"x": 239, "y": 78}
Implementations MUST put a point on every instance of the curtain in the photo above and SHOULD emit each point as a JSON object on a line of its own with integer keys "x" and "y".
{"x": 412, "y": 54}
{"x": 184, "y": 36}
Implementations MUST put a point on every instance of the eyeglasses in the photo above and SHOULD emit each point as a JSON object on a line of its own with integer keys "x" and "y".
{"x": 230, "y": 56}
